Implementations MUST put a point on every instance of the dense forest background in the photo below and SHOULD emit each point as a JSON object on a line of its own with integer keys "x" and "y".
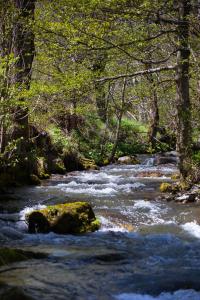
{"x": 85, "y": 82}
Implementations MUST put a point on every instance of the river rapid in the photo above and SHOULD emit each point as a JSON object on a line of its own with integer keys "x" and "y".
{"x": 146, "y": 249}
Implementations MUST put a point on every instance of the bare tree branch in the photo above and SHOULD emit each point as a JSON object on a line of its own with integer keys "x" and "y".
{"x": 139, "y": 73}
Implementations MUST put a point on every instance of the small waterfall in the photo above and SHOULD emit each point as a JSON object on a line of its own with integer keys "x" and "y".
{"x": 149, "y": 162}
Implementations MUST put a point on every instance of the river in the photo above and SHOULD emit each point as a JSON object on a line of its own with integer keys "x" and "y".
{"x": 146, "y": 249}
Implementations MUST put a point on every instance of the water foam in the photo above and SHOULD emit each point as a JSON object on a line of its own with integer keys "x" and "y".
{"x": 98, "y": 189}
{"x": 193, "y": 228}
{"x": 108, "y": 225}
{"x": 178, "y": 295}
{"x": 97, "y": 177}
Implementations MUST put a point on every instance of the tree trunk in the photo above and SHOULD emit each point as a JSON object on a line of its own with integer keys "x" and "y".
{"x": 98, "y": 67}
{"x": 23, "y": 49}
{"x": 119, "y": 121}
{"x": 182, "y": 94}
{"x": 154, "y": 114}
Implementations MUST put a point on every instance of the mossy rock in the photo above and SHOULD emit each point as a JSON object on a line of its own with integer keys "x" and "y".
{"x": 183, "y": 186}
{"x": 88, "y": 164}
{"x": 69, "y": 218}
{"x": 9, "y": 255}
{"x": 174, "y": 187}
{"x": 166, "y": 187}
{"x": 105, "y": 162}
{"x": 58, "y": 167}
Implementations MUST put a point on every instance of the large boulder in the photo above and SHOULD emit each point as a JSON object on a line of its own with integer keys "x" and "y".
{"x": 128, "y": 160}
{"x": 69, "y": 218}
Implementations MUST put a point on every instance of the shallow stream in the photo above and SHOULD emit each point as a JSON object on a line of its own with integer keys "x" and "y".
{"x": 146, "y": 249}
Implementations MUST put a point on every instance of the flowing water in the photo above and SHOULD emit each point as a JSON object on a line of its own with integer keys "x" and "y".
{"x": 146, "y": 249}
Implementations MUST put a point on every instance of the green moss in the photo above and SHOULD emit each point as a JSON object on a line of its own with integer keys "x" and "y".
{"x": 166, "y": 187}
{"x": 95, "y": 225}
{"x": 45, "y": 176}
{"x": 75, "y": 218}
{"x": 175, "y": 176}
{"x": 183, "y": 186}
{"x": 88, "y": 164}
{"x": 174, "y": 187}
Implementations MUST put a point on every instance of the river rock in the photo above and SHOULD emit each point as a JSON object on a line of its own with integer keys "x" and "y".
{"x": 163, "y": 160}
{"x": 171, "y": 153}
{"x": 69, "y": 218}
{"x": 149, "y": 174}
{"x": 87, "y": 164}
{"x": 11, "y": 255}
{"x": 128, "y": 160}
{"x": 186, "y": 198}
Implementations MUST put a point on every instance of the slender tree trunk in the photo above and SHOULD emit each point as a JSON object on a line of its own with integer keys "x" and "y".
{"x": 99, "y": 65}
{"x": 100, "y": 100}
{"x": 154, "y": 113}
{"x": 182, "y": 84}
{"x": 23, "y": 49}
{"x": 119, "y": 121}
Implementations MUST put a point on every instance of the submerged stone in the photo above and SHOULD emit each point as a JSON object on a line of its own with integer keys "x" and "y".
{"x": 10, "y": 255}
{"x": 69, "y": 218}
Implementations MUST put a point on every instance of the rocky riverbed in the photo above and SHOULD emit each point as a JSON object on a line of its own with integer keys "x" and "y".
{"x": 146, "y": 248}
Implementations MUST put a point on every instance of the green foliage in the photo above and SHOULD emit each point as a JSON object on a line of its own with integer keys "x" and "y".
{"x": 130, "y": 126}
{"x": 131, "y": 149}
{"x": 159, "y": 147}
{"x": 78, "y": 42}
{"x": 196, "y": 158}
{"x": 63, "y": 143}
